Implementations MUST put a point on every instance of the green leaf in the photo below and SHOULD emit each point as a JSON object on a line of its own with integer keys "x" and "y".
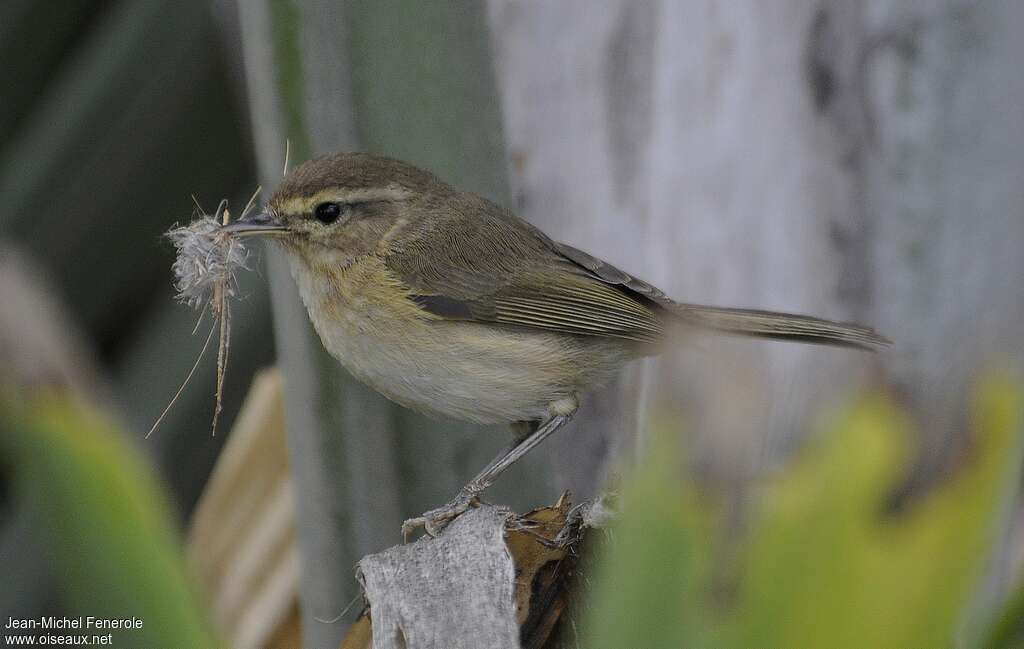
{"x": 828, "y": 567}
{"x": 659, "y": 554}
{"x": 820, "y": 562}
{"x": 1007, "y": 632}
{"x": 107, "y": 523}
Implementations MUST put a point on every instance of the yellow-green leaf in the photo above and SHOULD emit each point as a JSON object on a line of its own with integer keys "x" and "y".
{"x": 115, "y": 551}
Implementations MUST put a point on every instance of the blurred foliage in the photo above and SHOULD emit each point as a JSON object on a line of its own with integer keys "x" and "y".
{"x": 105, "y": 520}
{"x": 821, "y": 562}
{"x": 1008, "y": 630}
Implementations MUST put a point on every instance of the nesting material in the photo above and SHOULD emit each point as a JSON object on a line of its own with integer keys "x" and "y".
{"x": 204, "y": 273}
{"x": 207, "y": 261}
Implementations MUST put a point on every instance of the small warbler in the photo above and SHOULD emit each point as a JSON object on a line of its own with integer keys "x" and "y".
{"x": 449, "y": 304}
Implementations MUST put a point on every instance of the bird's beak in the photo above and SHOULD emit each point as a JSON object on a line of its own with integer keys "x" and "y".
{"x": 259, "y": 224}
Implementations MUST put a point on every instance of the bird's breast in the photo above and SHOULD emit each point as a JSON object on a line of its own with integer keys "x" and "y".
{"x": 466, "y": 370}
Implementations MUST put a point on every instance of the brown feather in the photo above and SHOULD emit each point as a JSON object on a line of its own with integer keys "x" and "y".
{"x": 748, "y": 322}
{"x": 494, "y": 267}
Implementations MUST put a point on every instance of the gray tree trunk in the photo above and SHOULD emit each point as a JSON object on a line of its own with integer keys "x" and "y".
{"x": 850, "y": 160}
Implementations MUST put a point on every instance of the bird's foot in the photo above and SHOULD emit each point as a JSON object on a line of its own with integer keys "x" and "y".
{"x": 435, "y": 520}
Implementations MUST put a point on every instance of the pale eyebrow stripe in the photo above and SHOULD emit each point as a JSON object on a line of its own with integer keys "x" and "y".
{"x": 301, "y": 205}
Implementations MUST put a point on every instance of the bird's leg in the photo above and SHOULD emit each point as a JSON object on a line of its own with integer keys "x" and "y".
{"x": 435, "y": 520}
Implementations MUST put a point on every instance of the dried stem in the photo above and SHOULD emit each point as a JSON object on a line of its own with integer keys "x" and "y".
{"x": 188, "y": 378}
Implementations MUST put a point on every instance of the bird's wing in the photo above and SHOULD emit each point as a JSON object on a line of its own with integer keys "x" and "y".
{"x": 748, "y": 322}
{"x": 609, "y": 274}
{"x": 498, "y": 269}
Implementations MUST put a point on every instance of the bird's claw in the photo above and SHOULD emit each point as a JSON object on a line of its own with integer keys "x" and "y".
{"x": 435, "y": 520}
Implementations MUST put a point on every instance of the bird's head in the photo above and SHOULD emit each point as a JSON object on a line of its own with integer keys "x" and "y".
{"x": 336, "y": 208}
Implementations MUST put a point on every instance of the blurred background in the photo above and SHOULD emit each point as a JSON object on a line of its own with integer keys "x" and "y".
{"x": 852, "y": 160}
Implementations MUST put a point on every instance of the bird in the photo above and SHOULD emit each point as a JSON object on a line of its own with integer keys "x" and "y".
{"x": 451, "y": 305}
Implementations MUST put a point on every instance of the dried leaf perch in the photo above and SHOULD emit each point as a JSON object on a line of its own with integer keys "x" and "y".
{"x": 204, "y": 271}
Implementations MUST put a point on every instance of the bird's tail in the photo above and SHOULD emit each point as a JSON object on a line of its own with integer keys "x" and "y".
{"x": 783, "y": 326}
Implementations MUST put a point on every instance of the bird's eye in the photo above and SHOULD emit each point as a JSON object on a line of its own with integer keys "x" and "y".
{"x": 328, "y": 213}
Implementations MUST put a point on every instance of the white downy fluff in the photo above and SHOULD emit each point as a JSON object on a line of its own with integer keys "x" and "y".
{"x": 207, "y": 258}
